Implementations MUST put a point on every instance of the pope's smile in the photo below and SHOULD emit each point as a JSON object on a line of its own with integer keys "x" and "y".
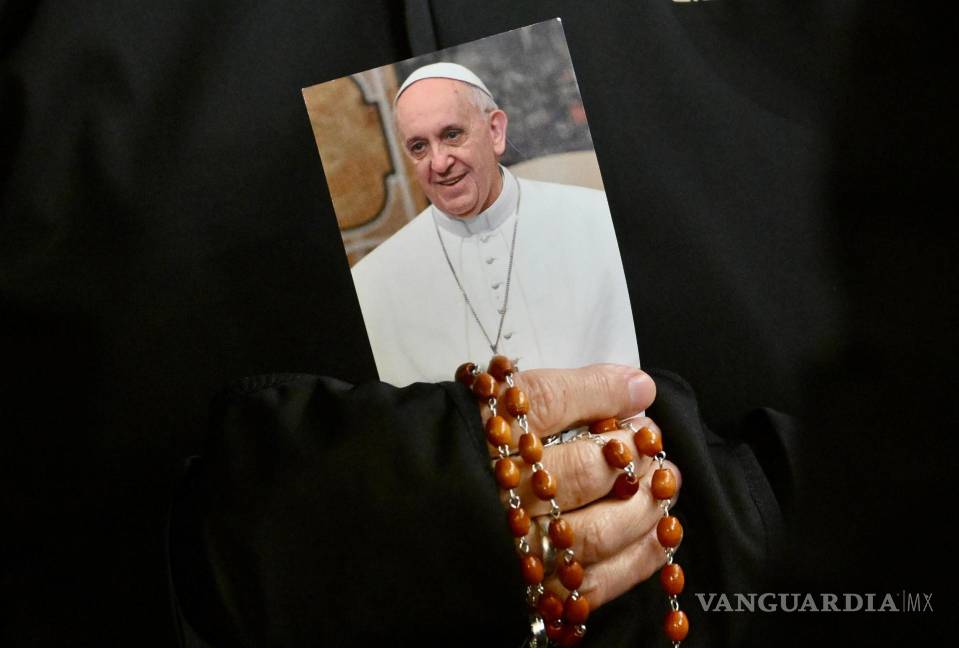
{"x": 451, "y": 181}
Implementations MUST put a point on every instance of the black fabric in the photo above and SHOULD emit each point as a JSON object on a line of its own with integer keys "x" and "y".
{"x": 712, "y": 124}
{"x": 326, "y": 514}
{"x": 780, "y": 176}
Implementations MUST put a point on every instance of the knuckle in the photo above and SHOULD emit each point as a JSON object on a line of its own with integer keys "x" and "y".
{"x": 548, "y": 405}
{"x": 591, "y": 539}
{"x": 578, "y": 472}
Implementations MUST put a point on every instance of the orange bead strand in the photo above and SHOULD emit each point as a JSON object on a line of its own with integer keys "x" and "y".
{"x": 484, "y": 386}
{"x": 663, "y": 485}
{"x": 669, "y": 531}
{"x": 676, "y": 625}
{"x": 544, "y": 485}
{"x": 648, "y": 441}
{"x": 672, "y": 579}
{"x": 564, "y": 620}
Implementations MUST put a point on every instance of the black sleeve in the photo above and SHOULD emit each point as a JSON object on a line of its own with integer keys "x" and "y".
{"x": 325, "y": 514}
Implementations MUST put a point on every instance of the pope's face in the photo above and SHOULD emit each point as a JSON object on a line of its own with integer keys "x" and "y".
{"x": 453, "y": 145}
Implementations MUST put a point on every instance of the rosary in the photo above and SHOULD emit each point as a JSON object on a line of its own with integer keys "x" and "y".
{"x": 555, "y": 620}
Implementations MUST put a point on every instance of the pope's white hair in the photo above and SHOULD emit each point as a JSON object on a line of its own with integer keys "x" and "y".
{"x": 482, "y": 101}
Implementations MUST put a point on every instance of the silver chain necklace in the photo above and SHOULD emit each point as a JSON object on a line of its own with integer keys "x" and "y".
{"x": 494, "y": 346}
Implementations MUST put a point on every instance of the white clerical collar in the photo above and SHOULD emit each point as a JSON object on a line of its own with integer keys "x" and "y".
{"x": 486, "y": 221}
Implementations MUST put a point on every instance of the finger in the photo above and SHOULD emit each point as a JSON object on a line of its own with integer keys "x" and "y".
{"x": 618, "y": 574}
{"x": 565, "y": 398}
{"x": 610, "y": 526}
{"x": 581, "y": 472}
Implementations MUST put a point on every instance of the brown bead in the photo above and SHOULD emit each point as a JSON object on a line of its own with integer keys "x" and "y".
{"x": 648, "y": 441}
{"x": 530, "y": 448}
{"x": 516, "y": 401}
{"x": 561, "y": 533}
{"x": 603, "y": 425}
{"x": 617, "y": 454}
{"x": 571, "y": 575}
{"x": 532, "y": 569}
{"x": 570, "y": 636}
{"x": 464, "y": 373}
{"x": 550, "y": 607}
{"x": 554, "y": 630}
{"x": 676, "y": 625}
{"x": 484, "y": 386}
{"x": 499, "y": 366}
{"x": 507, "y": 473}
{"x": 576, "y": 611}
{"x": 544, "y": 485}
{"x": 673, "y": 580}
{"x": 669, "y": 531}
{"x": 498, "y": 431}
{"x": 625, "y": 486}
{"x": 519, "y": 521}
{"x": 664, "y": 484}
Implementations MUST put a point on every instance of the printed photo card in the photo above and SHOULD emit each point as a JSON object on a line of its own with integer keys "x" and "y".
{"x": 472, "y": 209}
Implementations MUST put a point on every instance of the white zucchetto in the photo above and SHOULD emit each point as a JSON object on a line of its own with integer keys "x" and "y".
{"x": 443, "y": 70}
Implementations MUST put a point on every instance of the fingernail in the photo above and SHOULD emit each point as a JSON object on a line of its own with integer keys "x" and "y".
{"x": 641, "y": 391}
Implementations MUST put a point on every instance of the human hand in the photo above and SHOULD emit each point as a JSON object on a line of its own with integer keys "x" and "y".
{"x": 615, "y": 540}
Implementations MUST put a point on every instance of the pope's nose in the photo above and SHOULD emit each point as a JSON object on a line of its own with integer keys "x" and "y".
{"x": 440, "y": 161}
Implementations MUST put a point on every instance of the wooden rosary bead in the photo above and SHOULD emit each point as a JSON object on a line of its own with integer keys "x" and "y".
{"x": 569, "y": 636}
{"x": 663, "y": 484}
{"x": 648, "y": 441}
{"x": 669, "y": 531}
{"x": 484, "y": 386}
{"x": 576, "y": 611}
{"x": 560, "y": 533}
{"x": 516, "y": 401}
{"x": 464, "y": 373}
{"x": 571, "y": 575}
{"x": 550, "y": 607}
{"x": 498, "y": 431}
{"x": 530, "y": 448}
{"x": 625, "y": 486}
{"x": 544, "y": 485}
{"x": 603, "y": 425}
{"x": 676, "y": 625}
{"x": 554, "y": 630}
{"x": 673, "y": 580}
{"x": 617, "y": 454}
{"x": 507, "y": 473}
{"x": 519, "y": 521}
{"x": 532, "y": 569}
{"x": 499, "y": 366}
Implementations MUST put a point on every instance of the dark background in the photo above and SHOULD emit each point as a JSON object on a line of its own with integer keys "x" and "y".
{"x": 780, "y": 175}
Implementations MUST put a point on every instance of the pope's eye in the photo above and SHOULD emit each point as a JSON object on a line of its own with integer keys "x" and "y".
{"x": 417, "y": 148}
{"x": 453, "y": 135}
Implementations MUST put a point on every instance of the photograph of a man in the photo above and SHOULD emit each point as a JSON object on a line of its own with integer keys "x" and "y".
{"x": 495, "y": 263}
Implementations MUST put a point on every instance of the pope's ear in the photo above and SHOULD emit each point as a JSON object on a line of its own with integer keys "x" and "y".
{"x": 497, "y": 126}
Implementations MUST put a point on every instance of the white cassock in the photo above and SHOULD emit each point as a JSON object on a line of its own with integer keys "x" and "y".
{"x": 568, "y": 305}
